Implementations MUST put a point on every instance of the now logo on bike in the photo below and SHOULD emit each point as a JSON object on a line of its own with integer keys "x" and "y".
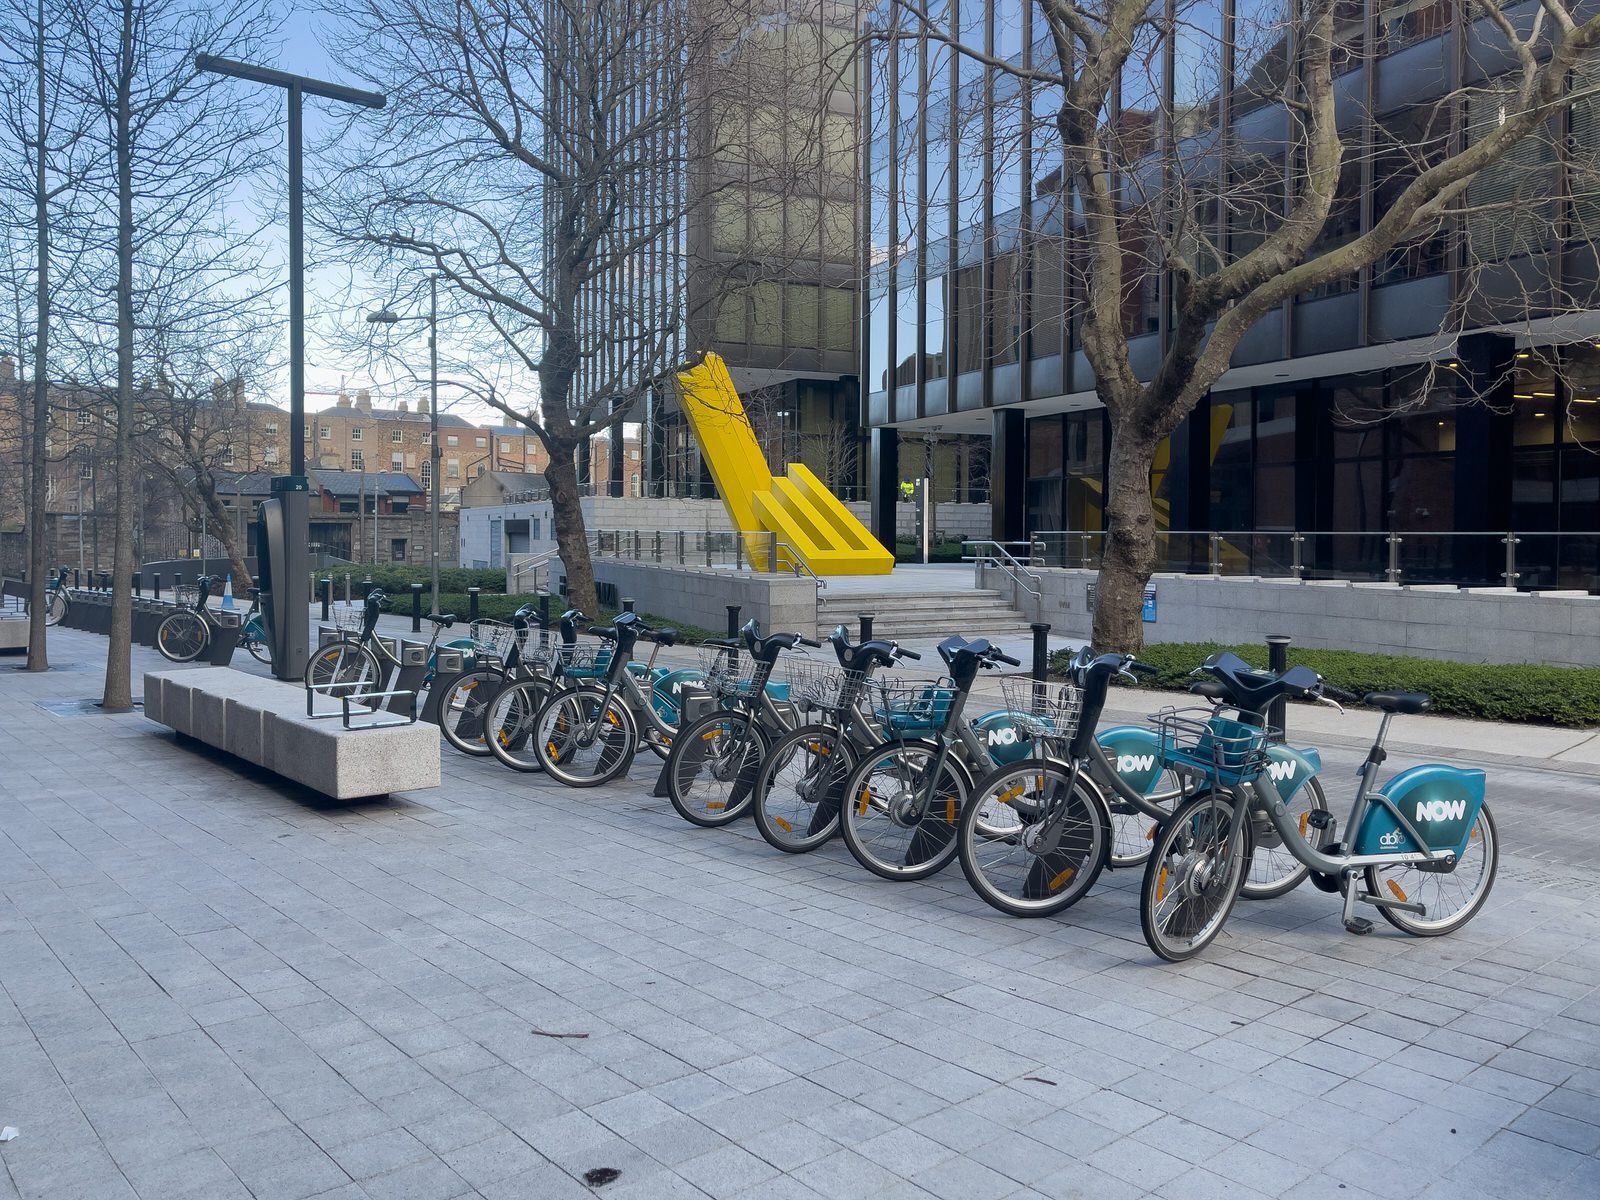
{"x": 1441, "y": 810}
{"x": 1127, "y": 763}
{"x": 1281, "y": 770}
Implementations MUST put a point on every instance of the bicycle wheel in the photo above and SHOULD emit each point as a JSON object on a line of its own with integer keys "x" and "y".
{"x": 1274, "y": 871}
{"x": 1029, "y": 847}
{"x": 799, "y": 787}
{"x": 464, "y": 709}
{"x": 582, "y": 739}
{"x": 1450, "y": 898}
{"x": 348, "y": 667}
{"x": 1133, "y": 829}
{"x": 259, "y": 650}
{"x": 1192, "y": 879}
{"x": 182, "y": 636}
{"x": 56, "y": 606}
{"x": 711, "y": 772}
{"x": 899, "y": 817}
{"x": 511, "y": 714}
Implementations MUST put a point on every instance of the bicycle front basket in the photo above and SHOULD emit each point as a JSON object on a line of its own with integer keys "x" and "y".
{"x": 1229, "y": 750}
{"x": 493, "y": 639}
{"x": 1048, "y": 710}
{"x": 349, "y": 617}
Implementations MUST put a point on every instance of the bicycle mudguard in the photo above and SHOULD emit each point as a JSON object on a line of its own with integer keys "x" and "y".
{"x": 1288, "y": 769}
{"x": 1006, "y": 740}
{"x": 1440, "y": 801}
{"x": 666, "y": 692}
{"x": 1135, "y": 755}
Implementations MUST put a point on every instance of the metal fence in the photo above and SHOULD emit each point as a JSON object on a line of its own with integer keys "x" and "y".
{"x": 1484, "y": 558}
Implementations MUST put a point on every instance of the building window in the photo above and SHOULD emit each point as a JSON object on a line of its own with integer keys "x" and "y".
{"x": 529, "y": 469}
{"x": 325, "y": 433}
{"x": 397, "y": 549}
{"x": 355, "y": 433}
{"x": 272, "y": 429}
{"x": 397, "y": 462}
{"x": 482, "y": 442}
{"x": 394, "y": 436}
{"x": 227, "y": 456}
{"x": 452, "y": 469}
{"x": 270, "y": 454}
{"x": 85, "y": 418}
{"x": 358, "y": 462}
{"x": 505, "y": 447}
{"x": 86, "y": 470}
{"x": 451, "y": 440}
{"x": 427, "y": 475}
{"x": 306, "y": 430}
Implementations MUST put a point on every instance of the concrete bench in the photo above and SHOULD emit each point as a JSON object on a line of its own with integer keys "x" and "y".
{"x": 264, "y": 722}
{"x": 13, "y": 632}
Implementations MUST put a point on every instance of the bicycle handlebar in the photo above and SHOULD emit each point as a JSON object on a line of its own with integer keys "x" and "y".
{"x": 902, "y": 652}
{"x": 802, "y": 640}
{"x": 1338, "y": 693}
{"x": 1139, "y": 668}
{"x": 1007, "y": 659}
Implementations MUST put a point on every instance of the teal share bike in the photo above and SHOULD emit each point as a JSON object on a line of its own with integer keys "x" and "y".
{"x": 1422, "y": 849}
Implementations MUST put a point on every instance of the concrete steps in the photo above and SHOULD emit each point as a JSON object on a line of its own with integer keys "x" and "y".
{"x": 908, "y": 616}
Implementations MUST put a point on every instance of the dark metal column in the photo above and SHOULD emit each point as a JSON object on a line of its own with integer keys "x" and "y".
{"x": 1008, "y": 476}
{"x": 885, "y": 483}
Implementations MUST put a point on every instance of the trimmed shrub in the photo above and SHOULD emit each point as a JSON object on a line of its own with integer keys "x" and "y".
{"x": 1523, "y": 692}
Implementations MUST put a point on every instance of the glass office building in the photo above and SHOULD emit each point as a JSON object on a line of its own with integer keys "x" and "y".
{"x": 1347, "y": 415}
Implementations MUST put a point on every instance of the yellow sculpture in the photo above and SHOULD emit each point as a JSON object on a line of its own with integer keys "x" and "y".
{"x": 812, "y": 527}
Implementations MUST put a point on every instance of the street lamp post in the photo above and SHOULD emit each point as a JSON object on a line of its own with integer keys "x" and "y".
{"x": 293, "y": 580}
{"x": 386, "y": 317}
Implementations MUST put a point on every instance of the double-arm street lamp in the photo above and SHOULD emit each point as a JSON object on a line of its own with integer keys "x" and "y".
{"x": 385, "y": 317}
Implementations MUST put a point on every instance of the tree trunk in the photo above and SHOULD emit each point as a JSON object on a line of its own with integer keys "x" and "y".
{"x": 118, "y": 695}
{"x": 225, "y": 523}
{"x": 572, "y": 542}
{"x": 39, "y": 459}
{"x": 1130, "y": 543}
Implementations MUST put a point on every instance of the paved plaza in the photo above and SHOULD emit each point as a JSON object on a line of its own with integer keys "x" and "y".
{"x": 215, "y": 985}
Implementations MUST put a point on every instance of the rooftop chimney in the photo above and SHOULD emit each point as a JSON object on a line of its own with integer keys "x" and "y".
{"x": 401, "y": 407}
{"x": 8, "y": 367}
{"x": 364, "y": 400}
{"x": 344, "y": 400}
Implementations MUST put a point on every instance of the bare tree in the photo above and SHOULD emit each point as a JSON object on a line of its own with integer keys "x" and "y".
{"x": 45, "y": 127}
{"x": 549, "y": 161}
{"x": 172, "y": 146}
{"x": 1164, "y": 239}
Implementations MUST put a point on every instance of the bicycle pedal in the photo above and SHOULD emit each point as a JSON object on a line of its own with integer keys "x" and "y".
{"x": 1358, "y": 925}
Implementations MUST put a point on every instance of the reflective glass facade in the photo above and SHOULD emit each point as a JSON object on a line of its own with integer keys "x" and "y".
{"x": 977, "y": 276}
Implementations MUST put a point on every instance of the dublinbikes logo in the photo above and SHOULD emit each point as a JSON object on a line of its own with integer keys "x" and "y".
{"x": 1392, "y": 839}
{"x": 1135, "y": 764}
{"x": 1441, "y": 810}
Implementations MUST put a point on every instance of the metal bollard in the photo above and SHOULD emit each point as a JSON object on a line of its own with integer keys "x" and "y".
{"x": 138, "y": 583}
{"x": 155, "y": 585}
{"x": 325, "y": 586}
{"x": 472, "y": 604}
{"x": 347, "y": 587}
{"x": 366, "y": 587}
{"x": 1041, "y": 661}
{"x": 77, "y": 578}
{"x": 866, "y": 626}
{"x": 1277, "y": 663}
{"x": 627, "y": 604}
{"x": 416, "y": 608}
{"x": 733, "y": 632}
{"x": 544, "y": 609}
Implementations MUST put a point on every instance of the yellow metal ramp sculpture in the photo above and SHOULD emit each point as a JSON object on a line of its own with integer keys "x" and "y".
{"x": 812, "y": 528}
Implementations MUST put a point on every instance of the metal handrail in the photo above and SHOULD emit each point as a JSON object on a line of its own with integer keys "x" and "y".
{"x": 800, "y": 566}
{"x": 532, "y": 563}
{"x": 1003, "y": 559}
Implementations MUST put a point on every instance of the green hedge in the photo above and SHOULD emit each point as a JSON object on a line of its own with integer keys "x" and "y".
{"x": 1523, "y": 693}
{"x": 502, "y": 607}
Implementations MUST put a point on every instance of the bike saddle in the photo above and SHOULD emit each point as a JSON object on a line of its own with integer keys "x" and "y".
{"x": 1400, "y": 702}
{"x": 444, "y": 620}
{"x": 665, "y": 637}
